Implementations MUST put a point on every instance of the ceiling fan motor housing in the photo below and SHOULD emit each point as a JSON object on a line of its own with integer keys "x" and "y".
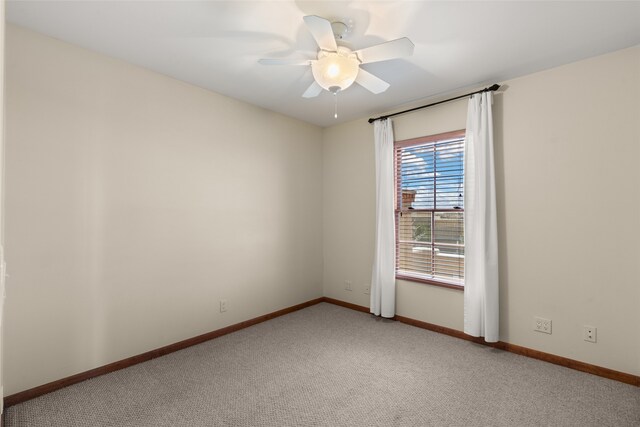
{"x": 335, "y": 71}
{"x": 340, "y": 29}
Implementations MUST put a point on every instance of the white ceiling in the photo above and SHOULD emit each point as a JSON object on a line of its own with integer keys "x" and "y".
{"x": 458, "y": 45}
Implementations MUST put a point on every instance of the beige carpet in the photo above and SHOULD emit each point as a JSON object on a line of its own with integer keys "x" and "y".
{"x": 331, "y": 366}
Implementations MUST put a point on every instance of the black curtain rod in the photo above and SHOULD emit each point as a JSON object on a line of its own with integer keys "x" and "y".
{"x": 486, "y": 89}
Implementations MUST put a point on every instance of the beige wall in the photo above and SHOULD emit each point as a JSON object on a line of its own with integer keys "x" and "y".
{"x": 136, "y": 202}
{"x": 2, "y": 265}
{"x": 567, "y": 145}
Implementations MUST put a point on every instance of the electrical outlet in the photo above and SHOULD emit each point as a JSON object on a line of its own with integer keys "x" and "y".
{"x": 367, "y": 289}
{"x": 347, "y": 285}
{"x": 590, "y": 333}
{"x": 223, "y": 305}
{"x": 541, "y": 324}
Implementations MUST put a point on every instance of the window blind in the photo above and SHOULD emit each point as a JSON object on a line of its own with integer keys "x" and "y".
{"x": 429, "y": 208}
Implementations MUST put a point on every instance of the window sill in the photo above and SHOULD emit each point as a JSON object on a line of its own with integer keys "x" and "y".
{"x": 429, "y": 282}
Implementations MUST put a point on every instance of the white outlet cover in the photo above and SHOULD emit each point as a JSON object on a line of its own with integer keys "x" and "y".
{"x": 540, "y": 324}
{"x": 590, "y": 333}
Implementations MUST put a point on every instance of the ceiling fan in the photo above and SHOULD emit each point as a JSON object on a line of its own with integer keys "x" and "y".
{"x": 338, "y": 67}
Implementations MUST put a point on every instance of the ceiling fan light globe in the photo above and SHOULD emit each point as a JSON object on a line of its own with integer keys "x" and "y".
{"x": 335, "y": 69}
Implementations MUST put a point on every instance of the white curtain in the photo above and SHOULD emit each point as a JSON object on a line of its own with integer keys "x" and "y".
{"x": 480, "y": 224}
{"x": 383, "y": 282}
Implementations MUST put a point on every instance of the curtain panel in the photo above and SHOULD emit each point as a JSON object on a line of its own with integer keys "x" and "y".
{"x": 481, "y": 305}
{"x": 383, "y": 281}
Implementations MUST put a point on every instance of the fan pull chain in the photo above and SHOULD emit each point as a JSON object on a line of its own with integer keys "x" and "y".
{"x": 335, "y": 112}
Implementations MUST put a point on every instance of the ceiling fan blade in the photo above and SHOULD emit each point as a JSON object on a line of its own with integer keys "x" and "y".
{"x": 321, "y": 30}
{"x": 370, "y": 82}
{"x": 283, "y": 61}
{"x": 312, "y": 91}
{"x": 384, "y": 51}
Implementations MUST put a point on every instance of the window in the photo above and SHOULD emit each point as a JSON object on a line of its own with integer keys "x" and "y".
{"x": 429, "y": 209}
